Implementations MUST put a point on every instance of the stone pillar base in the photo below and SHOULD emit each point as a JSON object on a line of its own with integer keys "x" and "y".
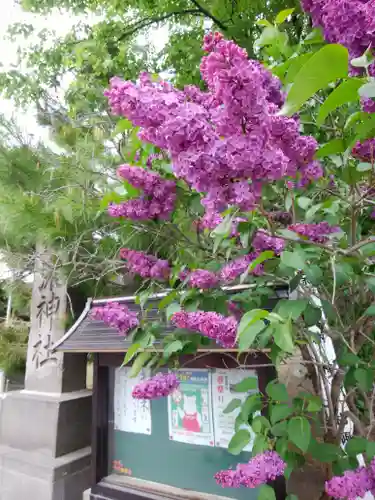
{"x": 45, "y": 443}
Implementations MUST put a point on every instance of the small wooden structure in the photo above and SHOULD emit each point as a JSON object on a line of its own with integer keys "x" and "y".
{"x": 158, "y": 450}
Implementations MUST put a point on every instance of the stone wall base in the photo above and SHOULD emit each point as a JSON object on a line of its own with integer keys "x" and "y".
{"x": 33, "y": 475}
{"x": 45, "y": 444}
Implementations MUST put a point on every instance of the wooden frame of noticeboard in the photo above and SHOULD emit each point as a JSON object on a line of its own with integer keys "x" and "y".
{"x": 105, "y": 487}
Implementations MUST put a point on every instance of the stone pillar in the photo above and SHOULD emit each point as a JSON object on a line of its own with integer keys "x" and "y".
{"x": 45, "y": 432}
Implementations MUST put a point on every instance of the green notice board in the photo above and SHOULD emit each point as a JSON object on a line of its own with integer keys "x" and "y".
{"x": 156, "y": 456}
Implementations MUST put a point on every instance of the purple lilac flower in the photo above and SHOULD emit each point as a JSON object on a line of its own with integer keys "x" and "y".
{"x": 365, "y": 151}
{"x": 315, "y": 232}
{"x": 372, "y": 215}
{"x": 368, "y": 105}
{"x": 238, "y": 266}
{"x": 263, "y": 241}
{"x": 116, "y": 315}
{"x": 145, "y": 265}
{"x": 259, "y": 470}
{"x": 222, "y": 329}
{"x": 348, "y": 22}
{"x": 353, "y": 484}
{"x": 159, "y": 386}
{"x": 201, "y": 278}
{"x": 157, "y": 201}
{"x": 224, "y": 142}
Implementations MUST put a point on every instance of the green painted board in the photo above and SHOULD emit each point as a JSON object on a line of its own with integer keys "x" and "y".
{"x": 157, "y": 458}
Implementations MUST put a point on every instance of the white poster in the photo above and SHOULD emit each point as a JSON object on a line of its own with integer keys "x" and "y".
{"x": 222, "y": 395}
{"x": 131, "y": 415}
{"x": 190, "y": 409}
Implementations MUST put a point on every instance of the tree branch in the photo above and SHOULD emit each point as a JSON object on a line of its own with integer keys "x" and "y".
{"x": 143, "y": 23}
{"x": 208, "y": 14}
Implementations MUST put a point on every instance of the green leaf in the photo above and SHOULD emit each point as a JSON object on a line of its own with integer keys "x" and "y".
{"x": 299, "y": 432}
{"x": 328, "y": 310}
{"x": 331, "y": 148}
{"x": 172, "y": 308}
{"x": 314, "y": 274}
{"x": 325, "y": 66}
{"x": 279, "y": 412}
{"x": 239, "y": 441}
{"x": 267, "y": 254}
{"x": 291, "y": 308}
{"x": 259, "y": 423}
{"x": 123, "y": 125}
{"x": 370, "y": 450}
{"x": 355, "y": 446}
{"x": 293, "y": 260}
{"x": 304, "y": 202}
{"x": 312, "y": 315}
{"x": 291, "y": 496}
{"x": 295, "y": 65}
{"x": 324, "y": 452}
{"x": 280, "y": 429}
{"x": 269, "y": 36}
{"x": 173, "y": 347}
{"x": 252, "y": 404}
{"x": 233, "y": 405}
{"x": 224, "y": 228}
{"x": 167, "y": 300}
{"x": 371, "y": 283}
{"x": 266, "y": 493}
{"x": 130, "y": 353}
{"x": 260, "y": 444}
{"x": 314, "y": 404}
{"x": 367, "y": 90}
{"x": 364, "y": 378}
{"x": 277, "y": 392}
{"x": 139, "y": 363}
{"x": 263, "y": 22}
{"x": 314, "y": 37}
{"x": 348, "y": 359}
{"x": 109, "y": 198}
{"x": 364, "y": 167}
{"x": 346, "y": 92}
{"x": 247, "y": 384}
{"x": 370, "y": 311}
{"x": 283, "y": 15}
{"x": 250, "y": 325}
{"x": 283, "y": 337}
{"x": 365, "y": 60}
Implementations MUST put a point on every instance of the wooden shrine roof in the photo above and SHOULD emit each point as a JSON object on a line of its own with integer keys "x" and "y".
{"x": 89, "y": 335}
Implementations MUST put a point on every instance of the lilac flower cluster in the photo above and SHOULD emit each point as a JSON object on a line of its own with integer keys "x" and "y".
{"x": 238, "y": 266}
{"x": 201, "y": 278}
{"x": 157, "y": 201}
{"x": 213, "y": 325}
{"x": 353, "y": 484}
{"x": 116, "y": 315}
{"x": 158, "y": 386}
{"x": 348, "y": 22}
{"x": 315, "y": 232}
{"x": 259, "y": 470}
{"x": 145, "y": 265}
{"x": 225, "y": 142}
{"x": 365, "y": 151}
{"x": 263, "y": 241}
